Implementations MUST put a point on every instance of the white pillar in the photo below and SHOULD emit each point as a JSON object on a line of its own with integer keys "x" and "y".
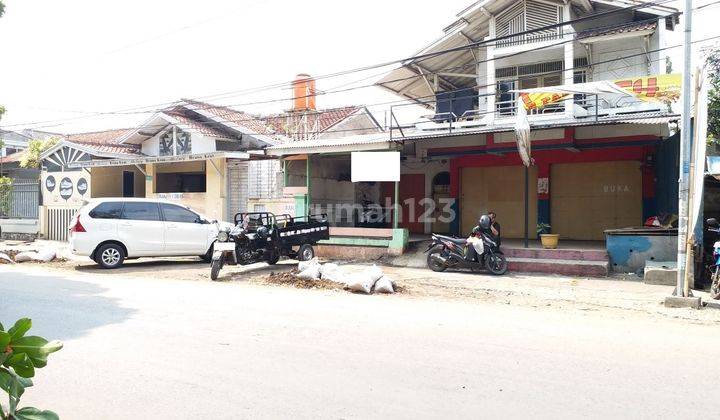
{"x": 481, "y": 80}
{"x": 569, "y": 55}
{"x": 490, "y": 74}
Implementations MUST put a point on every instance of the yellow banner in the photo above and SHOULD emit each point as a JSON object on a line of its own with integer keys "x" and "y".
{"x": 659, "y": 88}
{"x": 540, "y": 99}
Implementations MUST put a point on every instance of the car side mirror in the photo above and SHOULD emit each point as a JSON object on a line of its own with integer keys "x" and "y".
{"x": 712, "y": 222}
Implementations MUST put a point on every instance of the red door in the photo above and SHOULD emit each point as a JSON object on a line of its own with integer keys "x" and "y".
{"x": 412, "y": 191}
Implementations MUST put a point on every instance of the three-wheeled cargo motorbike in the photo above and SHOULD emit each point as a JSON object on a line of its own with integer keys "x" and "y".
{"x": 263, "y": 236}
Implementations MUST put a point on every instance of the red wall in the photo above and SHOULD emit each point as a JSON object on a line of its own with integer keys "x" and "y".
{"x": 548, "y": 152}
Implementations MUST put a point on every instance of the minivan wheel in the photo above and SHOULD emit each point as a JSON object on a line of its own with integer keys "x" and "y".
{"x": 110, "y": 256}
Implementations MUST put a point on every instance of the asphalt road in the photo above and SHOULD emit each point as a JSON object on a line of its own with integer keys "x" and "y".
{"x": 140, "y": 348}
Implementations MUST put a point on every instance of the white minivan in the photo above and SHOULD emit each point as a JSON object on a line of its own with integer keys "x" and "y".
{"x": 109, "y": 230}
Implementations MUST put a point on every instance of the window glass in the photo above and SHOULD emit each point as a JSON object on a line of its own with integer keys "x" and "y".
{"x": 107, "y": 210}
{"x": 141, "y": 211}
{"x": 174, "y": 213}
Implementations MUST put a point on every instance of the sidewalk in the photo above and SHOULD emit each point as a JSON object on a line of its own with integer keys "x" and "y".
{"x": 619, "y": 294}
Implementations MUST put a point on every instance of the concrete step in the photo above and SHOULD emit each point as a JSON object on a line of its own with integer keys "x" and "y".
{"x": 558, "y": 266}
{"x": 557, "y": 254}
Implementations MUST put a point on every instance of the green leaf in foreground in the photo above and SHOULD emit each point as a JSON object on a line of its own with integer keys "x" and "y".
{"x": 4, "y": 341}
{"x": 21, "y": 364}
{"x": 6, "y": 380}
{"x": 35, "y": 346}
{"x": 20, "y": 328}
{"x": 32, "y": 413}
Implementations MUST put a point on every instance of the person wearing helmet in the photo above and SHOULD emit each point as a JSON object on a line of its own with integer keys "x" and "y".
{"x": 475, "y": 246}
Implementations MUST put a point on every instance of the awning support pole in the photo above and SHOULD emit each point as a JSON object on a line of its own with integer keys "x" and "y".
{"x": 527, "y": 194}
{"x": 307, "y": 184}
{"x": 285, "y": 174}
{"x": 596, "y": 107}
{"x": 396, "y": 206}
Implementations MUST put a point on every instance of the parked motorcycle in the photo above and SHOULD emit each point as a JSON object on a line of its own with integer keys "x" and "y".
{"x": 713, "y": 227}
{"x": 449, "y": 252}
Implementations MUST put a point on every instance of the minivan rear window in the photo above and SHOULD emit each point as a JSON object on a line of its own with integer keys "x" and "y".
{"x": 141, "y": 211}
{"x": 107, "y": 210}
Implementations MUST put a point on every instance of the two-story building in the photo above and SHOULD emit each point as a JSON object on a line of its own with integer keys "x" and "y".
{"x": 600, "y": 161}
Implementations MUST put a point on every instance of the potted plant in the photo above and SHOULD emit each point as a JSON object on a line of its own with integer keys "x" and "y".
{"x": 549, "y": 240}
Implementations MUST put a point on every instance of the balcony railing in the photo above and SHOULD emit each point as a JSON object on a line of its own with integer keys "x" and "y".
{"x": 530, "y": 38}
{"x": 584, "y": 107}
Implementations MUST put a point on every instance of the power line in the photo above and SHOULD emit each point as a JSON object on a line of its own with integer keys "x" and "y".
{"x": 290, "y": 134}
{"x": 334, "y": 91}
{"x": 589, "y": 65}
{"x": 379, "y": 65}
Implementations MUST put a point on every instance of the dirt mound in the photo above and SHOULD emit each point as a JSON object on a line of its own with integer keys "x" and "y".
{"x": 289, "y": 278}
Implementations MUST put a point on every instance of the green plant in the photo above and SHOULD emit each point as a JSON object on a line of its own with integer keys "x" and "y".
{"x": 713, "y": 61}
{"x": 31, "y": 158}
{"x": 5, "y": 190}
{"x": 543, "y": 228}
{"x": 20, "y": 355}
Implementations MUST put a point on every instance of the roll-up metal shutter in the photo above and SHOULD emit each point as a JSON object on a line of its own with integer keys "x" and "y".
{"x": 588, "y": 198}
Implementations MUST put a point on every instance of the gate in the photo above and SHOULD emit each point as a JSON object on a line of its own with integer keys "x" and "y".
{"x": 22, "y": 201}
{"x": 237, "y": 186}
{"x": 58, "y": 222}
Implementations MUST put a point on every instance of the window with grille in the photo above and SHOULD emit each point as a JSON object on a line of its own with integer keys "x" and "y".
{"x": 264, "y": 179}
{"x": 535, "y": 75}
{"x": 528, "y": 15}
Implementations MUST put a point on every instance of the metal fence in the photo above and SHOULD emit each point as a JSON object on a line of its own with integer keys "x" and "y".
{"x": 58, "y": 221}
{"x": 22, "y": 201}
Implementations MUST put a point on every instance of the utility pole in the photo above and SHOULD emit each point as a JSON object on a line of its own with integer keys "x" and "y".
{"x": 685, "y": 154}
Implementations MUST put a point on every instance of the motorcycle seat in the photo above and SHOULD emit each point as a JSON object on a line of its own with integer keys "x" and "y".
{"x": 461, "y": 241}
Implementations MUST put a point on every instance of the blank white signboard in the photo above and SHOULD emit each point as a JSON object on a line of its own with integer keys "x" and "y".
{"x": 375, "y": 166}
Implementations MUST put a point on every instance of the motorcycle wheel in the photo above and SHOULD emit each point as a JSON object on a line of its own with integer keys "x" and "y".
{"x": 715, "y": 286}
{"x": 432, "y": 264}
{"x": 215, "y": 267}
{"x": 496, "y": 264}
{"x": 274, "y": 258}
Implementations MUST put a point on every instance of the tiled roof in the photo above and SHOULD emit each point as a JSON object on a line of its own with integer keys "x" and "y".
{"x": 630, "y": 27}
{"x": 97, "y": 137}
{"x": 320, "y": 121}
{"x": 186, "y": 118}
{"x": 105, "y": 141}
{"x": 251, "y": 123}
{"x": 13, "y": 157}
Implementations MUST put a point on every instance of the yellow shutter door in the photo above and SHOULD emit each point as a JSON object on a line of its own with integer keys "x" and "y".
{"x": 500, "y": 189}
{"x": 587, "y": 198}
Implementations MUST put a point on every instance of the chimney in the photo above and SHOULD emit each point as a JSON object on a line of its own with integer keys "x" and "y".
{"x": 303, "y": 93}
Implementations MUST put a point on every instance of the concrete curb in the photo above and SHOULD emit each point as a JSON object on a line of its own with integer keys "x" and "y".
{"x": 683, "y": 302}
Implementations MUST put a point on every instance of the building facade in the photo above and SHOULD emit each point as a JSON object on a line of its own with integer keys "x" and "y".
{"x": 601, "y": 161}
